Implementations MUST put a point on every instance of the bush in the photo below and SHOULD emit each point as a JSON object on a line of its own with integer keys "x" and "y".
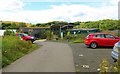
{"x": 44, "y": 34}
{"x": 10, "y": 33}
{"x": 77, "y": 38}
{"x": 14, "y": 48}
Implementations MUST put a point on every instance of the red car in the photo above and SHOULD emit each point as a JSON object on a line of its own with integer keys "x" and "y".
{"x": 26, "y": 37}
{"x": 100, "y": 39}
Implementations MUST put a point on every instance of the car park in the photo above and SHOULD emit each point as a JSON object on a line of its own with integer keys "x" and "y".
{"x": 26, "y": 37}
{"x": 115, "y": 51}
{"x": 100, "y": 39}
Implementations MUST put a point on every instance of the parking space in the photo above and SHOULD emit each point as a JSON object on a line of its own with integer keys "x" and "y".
{"x": 87, "y": 59}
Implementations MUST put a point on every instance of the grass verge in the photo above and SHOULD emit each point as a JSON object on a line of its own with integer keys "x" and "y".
{"x": 13, "y": 48}
{"x": 77, "y": 41}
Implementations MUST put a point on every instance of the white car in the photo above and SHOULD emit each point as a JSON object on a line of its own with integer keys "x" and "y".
{"x": 115, "y": 51}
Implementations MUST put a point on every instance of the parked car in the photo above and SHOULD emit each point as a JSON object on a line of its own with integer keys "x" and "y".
{"x": 115, "y": 51}
{"x": 100, "y": 39}
{"x": 26, "y": 37}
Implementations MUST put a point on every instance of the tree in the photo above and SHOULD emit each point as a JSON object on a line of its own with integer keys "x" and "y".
{"x": 38, "y": 24}
{"x": 43, "y": 34}
{"x": 106, "y": 24}
{"x": 5, "y": 25}
{"x": 21, "y": 24}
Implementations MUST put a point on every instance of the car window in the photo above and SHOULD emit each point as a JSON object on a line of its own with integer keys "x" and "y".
{"x": 25, "y": 34}
{"x": 100, "y": 36}
{"x": 19, "y": 34}
{"x": 109, "y": 36}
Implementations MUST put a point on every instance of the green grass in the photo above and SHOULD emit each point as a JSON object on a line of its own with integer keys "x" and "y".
{"x": 14, "y": 48}
{"x": 78, "y": 38}
{"x": 77, "y": 41}
{"x": 0, "y": 52}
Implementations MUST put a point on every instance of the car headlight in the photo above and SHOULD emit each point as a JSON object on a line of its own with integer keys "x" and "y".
{"x": 32, "y": 37}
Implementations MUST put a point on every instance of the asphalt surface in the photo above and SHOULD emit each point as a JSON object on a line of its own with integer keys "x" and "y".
{"x": 51, "y": 57}
{"x": 87, "y": 59}
{"x": 61, "y": 57}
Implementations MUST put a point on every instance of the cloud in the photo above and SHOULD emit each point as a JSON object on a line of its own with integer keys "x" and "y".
{"x": 114, "y": 2}
{"x": 65, "y": 0}
{"x": 10, "y": 5}
{"x": 64, "y": 12}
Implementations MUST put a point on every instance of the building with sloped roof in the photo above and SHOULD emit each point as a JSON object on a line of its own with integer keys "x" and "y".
{"x": 83, "y": 31}
{"x": 33, "y": 30}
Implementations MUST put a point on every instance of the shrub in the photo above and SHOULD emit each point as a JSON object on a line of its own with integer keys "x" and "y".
{"x": 44, "y": 34}
{"x": 10, "y": 33}
{"x": 76, "y": 38}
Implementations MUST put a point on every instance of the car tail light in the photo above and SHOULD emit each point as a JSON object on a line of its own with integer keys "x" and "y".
{"x": 87, "y": 36}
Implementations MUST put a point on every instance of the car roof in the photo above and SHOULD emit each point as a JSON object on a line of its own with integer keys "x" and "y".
{"x": 99, "y": 33}
{"x": 21, "y": 33}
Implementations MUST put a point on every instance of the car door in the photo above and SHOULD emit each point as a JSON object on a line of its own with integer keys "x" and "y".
{"x": 111, "y": 40}
{"x": 23, "y": 37}
{"x": 100, "y": 39}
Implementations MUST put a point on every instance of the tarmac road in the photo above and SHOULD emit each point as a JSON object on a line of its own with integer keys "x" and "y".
{"x": 60, "y": 57}
{"x": 51, "y": 57}
{"x": 87, "y": 59}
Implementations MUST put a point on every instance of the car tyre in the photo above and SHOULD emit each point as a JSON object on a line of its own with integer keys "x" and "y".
{"x": 93, "y": 45}
{"x": 32, "y": 40}
{"x": 114, "y": 60}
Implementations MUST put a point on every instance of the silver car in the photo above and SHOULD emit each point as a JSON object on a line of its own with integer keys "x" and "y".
{"x": 115, "y": 51}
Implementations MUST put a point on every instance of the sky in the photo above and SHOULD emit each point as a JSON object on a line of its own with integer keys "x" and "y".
{"x": 43, "y": 11}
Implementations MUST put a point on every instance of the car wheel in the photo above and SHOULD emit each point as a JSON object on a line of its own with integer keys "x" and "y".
{"x": 32, "y": 41}
{"x": 93, "y": 45}
{"x": 114, "y": 60}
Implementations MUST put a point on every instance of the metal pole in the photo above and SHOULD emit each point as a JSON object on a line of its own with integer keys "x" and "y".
{"x": 50, "y": 30}
{"x": 60, "y": 31}
{"x": 118, "y": 33}
{"x": 118, "y": 28}
{"x": 0, "y": 24}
